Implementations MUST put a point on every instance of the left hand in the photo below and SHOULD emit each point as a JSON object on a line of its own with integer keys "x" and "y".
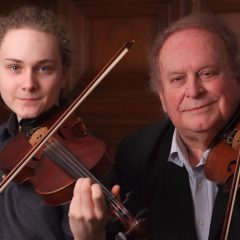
{"x": 88, "y": 211}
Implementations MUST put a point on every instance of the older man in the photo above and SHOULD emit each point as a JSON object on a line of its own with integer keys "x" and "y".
{"x": 195, "y": 72}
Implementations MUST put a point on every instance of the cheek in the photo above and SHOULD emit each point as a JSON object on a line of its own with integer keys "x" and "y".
{"x": 229, "y": 100}
{"x": 172, "y": 102}
{"x": 8, "y": 99}
{"x": 52, "y": 89}
{"x": 227, "y": 92}
{"x": 7, "y": 91}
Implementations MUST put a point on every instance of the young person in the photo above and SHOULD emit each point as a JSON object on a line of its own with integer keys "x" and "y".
{"x": 34, "y": 64}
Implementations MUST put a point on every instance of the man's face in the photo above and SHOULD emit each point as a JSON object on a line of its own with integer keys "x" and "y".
{"x": 31, "y": 72}
{"x": 198, "y": 90}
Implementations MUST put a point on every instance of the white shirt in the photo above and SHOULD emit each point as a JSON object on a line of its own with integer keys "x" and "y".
{"x": 203, "y": 191}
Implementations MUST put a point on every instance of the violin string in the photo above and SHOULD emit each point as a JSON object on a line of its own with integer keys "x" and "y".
{"x": 85, "y": 173}
{"x": 81, "y": 171}
{"x": 231, "y": 199}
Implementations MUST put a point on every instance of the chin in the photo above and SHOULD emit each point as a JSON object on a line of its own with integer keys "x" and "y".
{"x": 204, "y": 128}
{"x": 27, "y": 115}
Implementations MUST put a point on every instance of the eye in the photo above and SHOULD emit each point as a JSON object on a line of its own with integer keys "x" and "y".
{"x": 178, "y": 78}
{"x": 14, "y": 67}
{"x": 206, "y": 74}
{"x": 177, "y": 81}
{"x": 43, "y": 68}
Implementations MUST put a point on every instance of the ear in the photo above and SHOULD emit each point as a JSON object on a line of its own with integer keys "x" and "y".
{"x": 161, "y": 96}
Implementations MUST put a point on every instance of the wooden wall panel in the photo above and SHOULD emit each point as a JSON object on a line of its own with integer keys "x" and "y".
{"x": 228, "y": 10}
{"x": 223, "y": 5}
{"x": 8, "y": 5}
{"x": 122, "y": 103}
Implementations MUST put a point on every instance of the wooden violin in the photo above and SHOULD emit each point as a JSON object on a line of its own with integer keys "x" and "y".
{"x": 56, "y": 152}
{"x": 223, "y": 166}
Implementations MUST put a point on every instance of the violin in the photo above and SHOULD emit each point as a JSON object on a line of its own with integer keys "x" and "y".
{"x": 52, "y": 154}
{"x": 223, "y": 166}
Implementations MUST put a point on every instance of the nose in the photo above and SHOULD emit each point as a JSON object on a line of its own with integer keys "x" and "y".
{"x": 29, "y": 82}
{"x": 194, "y": 87}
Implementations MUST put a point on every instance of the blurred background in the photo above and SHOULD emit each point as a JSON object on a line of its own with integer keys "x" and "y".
{"x": 122, "y": 103}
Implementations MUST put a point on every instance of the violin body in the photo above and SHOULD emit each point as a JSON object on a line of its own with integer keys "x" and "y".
{"x": 53, "y": 181}
{"x": 49, "y": 180}
{"x": 223, "y": 167}
{"x": 221, "y": 163}
{"x": 53, "y": 154}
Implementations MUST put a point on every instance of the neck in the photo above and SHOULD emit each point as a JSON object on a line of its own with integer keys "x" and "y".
{"x": 195, "y": 144}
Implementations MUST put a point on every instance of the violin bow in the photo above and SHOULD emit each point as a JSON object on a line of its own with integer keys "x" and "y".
{"x": 72, "y": 107}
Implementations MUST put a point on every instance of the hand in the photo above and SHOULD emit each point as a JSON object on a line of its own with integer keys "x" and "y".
{"x": 88, "y": 211}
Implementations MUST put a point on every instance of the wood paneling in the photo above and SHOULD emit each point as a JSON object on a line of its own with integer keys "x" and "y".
{"x": 228, "y": 10}
{"x": 122, "y": 103}
{"x": 8, "y": 5}
{"x": 223, "y": 5}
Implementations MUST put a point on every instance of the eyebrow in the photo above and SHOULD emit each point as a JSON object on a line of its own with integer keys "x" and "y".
{"x": 12, "y": 60}
{"x": 200, "y": 69}
{"x": 20, "y": 61}
{"x": 174, "y": 73}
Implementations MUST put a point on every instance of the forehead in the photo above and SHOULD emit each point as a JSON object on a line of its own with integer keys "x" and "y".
{"x": 30, "y": 42}
{"x": 192, "y": 45}
{"x": 193, "y": 37}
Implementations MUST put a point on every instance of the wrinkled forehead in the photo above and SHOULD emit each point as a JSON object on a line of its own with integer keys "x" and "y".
{"x": 192, "y": 43}
{"x": 192, "y": 38}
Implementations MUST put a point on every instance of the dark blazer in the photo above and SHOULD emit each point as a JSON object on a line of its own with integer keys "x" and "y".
{"x": 163, "y": 187}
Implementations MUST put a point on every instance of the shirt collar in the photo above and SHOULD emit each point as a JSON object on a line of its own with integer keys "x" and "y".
{"x": 179, "y": 156}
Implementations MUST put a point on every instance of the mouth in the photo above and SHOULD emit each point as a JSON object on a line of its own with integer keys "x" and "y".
{"x": 26, "y": 99}
{"x": 198, "y": 108}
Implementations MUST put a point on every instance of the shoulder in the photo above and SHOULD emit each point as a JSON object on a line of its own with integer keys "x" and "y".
{"x": 2, "y": 127}
{"x": 3, "y": 131}
{"x": 145, "y": 147}
{"x": 141, "y": 156}
{"x": 149, "y": 135}
{"x": 8, "y": 129}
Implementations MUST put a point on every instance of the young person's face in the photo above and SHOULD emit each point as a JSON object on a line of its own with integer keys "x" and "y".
{"x": 31, "y": 72}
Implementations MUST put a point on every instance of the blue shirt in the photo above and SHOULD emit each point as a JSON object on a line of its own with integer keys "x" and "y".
{"x": 203, "y": 191}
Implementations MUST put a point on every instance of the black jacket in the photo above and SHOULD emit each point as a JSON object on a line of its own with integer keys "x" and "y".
{"x": 142, "y": 166}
